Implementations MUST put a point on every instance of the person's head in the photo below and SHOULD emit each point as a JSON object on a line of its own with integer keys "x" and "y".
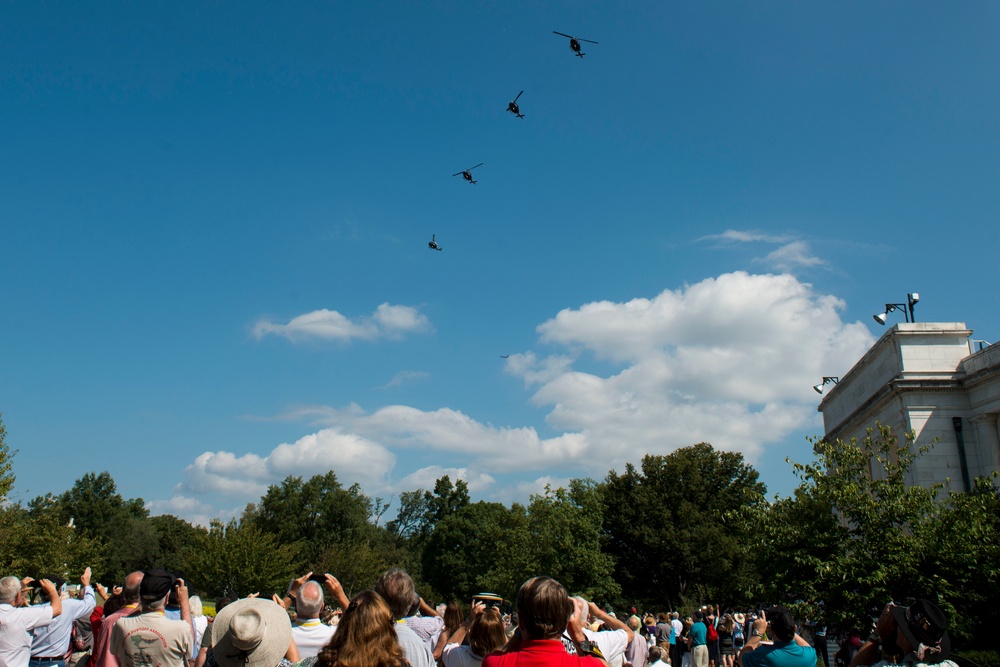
{"x": 922, "y": 628}
{"x": 781, "y": 625}
{"x": 251, "y": 633}
{"x": 543, "y": 608}
{"x": 661, "y": 617}
{"x": 396, "y": 588}
{"x": 194, "y": 604}
{"x": 486, "y": 634}
{"x": 728, "y": 624}
{"x": 130, "y": 591}
{"x": 675, "y": 616}
{"x": 699, "y": 616}
{"x": 452, "y": 616}
{"x": 10, "y": 591}
{"x": 633, "y": 622}
{"x": 155, "y": 588}
{"x": 309, "y": 601}
{"x": 221, "y": 603}
{"x": 655, "y": 654}
{"x": 365, "y": 636}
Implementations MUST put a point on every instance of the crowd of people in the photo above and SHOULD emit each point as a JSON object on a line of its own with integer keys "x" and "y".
{"x": 150, "y": 620}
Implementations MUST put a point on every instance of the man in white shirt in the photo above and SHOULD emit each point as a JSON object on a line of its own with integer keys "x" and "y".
{"x": 50, "y": 643}
{"x": 611, "y": 642}
{"x": 309, "y": 633}
{"x": 17, "y": 622}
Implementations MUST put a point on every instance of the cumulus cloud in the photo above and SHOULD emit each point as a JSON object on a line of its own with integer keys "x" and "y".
{"x": 425, "y": 478}
{"x": 729, "y": 360}
{"x": 191, "y": 509}
{"x": 248, "y": 475}
{"x": 388, "y": 321}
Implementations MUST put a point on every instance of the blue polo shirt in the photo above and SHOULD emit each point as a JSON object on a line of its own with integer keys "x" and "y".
{"x": 780, "y": 654}
{"x": 699, "y": 633}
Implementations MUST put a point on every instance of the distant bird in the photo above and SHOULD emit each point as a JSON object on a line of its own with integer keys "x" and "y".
{"x": 574, "y": 42}
{"x": 432, "y": 244}
{"x": 513, "y": 108}
{"x": 504, "y": 356}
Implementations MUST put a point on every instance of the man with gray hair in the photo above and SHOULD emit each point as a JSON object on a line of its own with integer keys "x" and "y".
{"x": 102, "y": 656}
{"x": 309, "y": 633}
{"x": 149, "y": 637}
{"x": 396, "y": 588}
{"x": 17, "y": 621}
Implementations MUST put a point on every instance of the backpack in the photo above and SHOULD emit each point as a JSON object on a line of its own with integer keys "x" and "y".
{"x": 711, "y": 635}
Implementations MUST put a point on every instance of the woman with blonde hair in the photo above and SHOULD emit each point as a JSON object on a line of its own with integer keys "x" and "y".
{"x": 365, "y": 637}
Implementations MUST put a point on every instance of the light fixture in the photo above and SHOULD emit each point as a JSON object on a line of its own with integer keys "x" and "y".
{"x": 826, "y": 380}
{"x": 907, "y": 308}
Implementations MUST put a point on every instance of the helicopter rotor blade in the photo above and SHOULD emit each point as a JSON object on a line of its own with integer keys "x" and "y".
{"x": 562, "y": 34}
{"x": 478, "y": 165}
{"x": 589, "y": 41}
{"x": 519, "y": 95}
{"x": 458, "y": 173}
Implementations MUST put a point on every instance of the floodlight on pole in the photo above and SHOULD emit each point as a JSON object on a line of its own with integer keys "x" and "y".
{"x": 818, "y": 388}
{"x": 907, "y": 308}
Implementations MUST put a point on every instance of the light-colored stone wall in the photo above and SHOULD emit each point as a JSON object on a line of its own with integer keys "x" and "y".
{"x": 919, "y": 376}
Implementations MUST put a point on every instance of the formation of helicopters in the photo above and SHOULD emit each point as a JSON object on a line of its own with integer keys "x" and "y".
{"x": 512, "y": 107}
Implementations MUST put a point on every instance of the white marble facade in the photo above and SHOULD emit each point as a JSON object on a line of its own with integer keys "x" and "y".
{"x": 922, "y": 377}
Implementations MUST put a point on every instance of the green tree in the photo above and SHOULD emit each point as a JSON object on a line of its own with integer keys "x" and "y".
{"x": 420, "y": 510}
{"x": 37, "y": 543}
{"x": 315, "y": 514}
{"x": 242, "y": 558}
{"x": 675, "y": 527}
{"x": 565, "y": 527}
{"x": 856, "y": 534}
{"x": 100, "y": 513}
{"x": 462, "y": 549}
{"x": 6, "y": 463}
{"x": 175, "y": 539}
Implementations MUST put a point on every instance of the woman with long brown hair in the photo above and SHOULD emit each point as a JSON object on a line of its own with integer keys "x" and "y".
{"x": 365, "y": 637}
{"x": 452, "y": 621}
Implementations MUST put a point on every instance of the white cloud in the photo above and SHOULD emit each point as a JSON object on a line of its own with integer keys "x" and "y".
{"x": 745, "y": 236}
{"x": 353, "y": 458}
{"x": 425, "y": 478}
{"x": 387, "y": 321}
{"x": 191, "y": 509}
{"x": 792, "y": 255}
{"x": 729, "y": 360}
{"x": 405, "y": 377}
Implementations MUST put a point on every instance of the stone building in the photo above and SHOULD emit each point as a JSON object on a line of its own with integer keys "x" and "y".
{"x": 925, "y": 377}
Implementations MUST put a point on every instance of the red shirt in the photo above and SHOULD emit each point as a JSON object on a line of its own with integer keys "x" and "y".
{"x": 540, "y": 653}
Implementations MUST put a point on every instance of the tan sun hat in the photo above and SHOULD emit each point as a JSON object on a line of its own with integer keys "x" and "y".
{"x": 251, "y": 633}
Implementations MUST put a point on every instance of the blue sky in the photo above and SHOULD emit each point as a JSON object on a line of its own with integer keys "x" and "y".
{"x": 214, "y": 216}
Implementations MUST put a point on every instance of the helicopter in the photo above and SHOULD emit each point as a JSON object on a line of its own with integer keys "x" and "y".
{"x": 574, "y": 42}
{"x": 432, "y": 244}
{"x": 513, "y": 108}
{"x": 467, "y": 173}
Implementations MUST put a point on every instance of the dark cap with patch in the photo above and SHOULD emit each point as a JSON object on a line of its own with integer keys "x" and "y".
{"x": 156, "y": 583}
